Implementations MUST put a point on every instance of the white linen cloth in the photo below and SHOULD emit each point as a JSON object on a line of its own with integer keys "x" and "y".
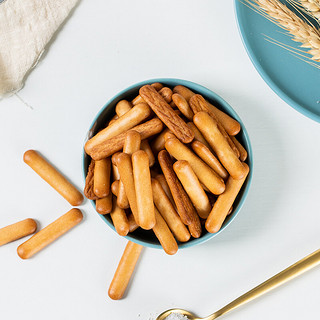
{"x": 26, "y": 27}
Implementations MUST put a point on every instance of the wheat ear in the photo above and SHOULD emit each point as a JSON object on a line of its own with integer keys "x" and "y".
{"x": 311, "y": 6}
{"x": 299, "y": 30}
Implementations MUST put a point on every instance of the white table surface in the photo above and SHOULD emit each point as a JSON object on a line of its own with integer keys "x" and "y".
{"x": 105, "y": 47}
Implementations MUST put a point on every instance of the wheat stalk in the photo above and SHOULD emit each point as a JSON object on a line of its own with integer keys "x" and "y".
{"x": 299, "y": 30}
{"x": 311, "y": 6}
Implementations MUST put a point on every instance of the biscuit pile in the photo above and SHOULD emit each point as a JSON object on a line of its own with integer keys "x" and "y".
{"x": 169, "y": 162}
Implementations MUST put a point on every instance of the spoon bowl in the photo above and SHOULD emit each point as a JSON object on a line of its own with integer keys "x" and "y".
{"x": 183, "y": 312}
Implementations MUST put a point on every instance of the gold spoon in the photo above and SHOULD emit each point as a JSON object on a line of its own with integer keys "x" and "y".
{"x": 291, "y": 272}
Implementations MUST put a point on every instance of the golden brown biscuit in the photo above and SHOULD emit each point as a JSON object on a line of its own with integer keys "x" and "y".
{"x": 219, "y": 144}
{"x": 101, "y": 177}
{"x": 184, "y": 206}
{"x": 104, "y": 205}
{"x": 50, "y": 233}
{"x": 183, "y": 106}
{"x": 124, "y": 270}
{"x": 207, "y": 156}
{"x": 130, "y": 119}
{"x": 111, "y": 146}
{"x": 142, "y": 183}
{"x": 54, "y": 178}
{"x": 164, "y": 235}
{"x": 193, "y": 188}
{"x": 166, "y": 113}
{"x": 119, "y": 218}
{"x": 126, "y": 175}
{"x": 168, "y": 212}
{"x": 204, "y": 173}
{"x": 224, "y": 202}
{"x": 17, "y": 231}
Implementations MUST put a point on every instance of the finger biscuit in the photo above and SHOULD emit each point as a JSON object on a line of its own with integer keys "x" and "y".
{"x": 195, "y": 227}
{"x": 184, "y": 92}
{"x": 184, "y": 206}
{"x": 197, "y": 134}
{"x": 146, "y": 147}
{"x": 113, "y": 119}
{"x": 54, "y": 178}
{"x": 114, "y": 160}
{"x": 50, "y": 233}
{"x": 183, "y": 105}
{"x": 231, "y": 125}
{"x": 115, "y": 187}
{"x": 119, "y": 218}
{"x": 124, "y": 270}
{"x": 131, "y": 144}
{"x": 88, "y": 187}
{"x": 242, "y": 150}
{"x": 111, "y": 146}
{"x": 115, "y": 172}
{"x": 17, "y": 231}
{"x": 193, "y": 188}
{"x": 157, "y": 85}
{"x": 122, "y": 199}
{"x": 101, "y": 177}
{"x": 207, "y": 156}
{"x": 166, "y": 94}
{"x": 166, "y": 114}
{"x": 158, "y": 143}
{"x": 130, "y": 119}
{"x": 164, "y": 235}
{"x": 123, "y": 107}
{"x": 168, "y": 212}
{"x": 104, "y": 205}
{"x": 165, "y": 187}
{"x": 142, "y": 182}
{"x": 126, "y": 175}
{"x": 132, "y": 223}
{"x": 198, "y": 103}
{"x": 137, "y": 100}
{"x": 224, "y": 202}
{"x": 204, "y": 173}
{"x": 169, "y": 135}
{"x": 220, "y": 146}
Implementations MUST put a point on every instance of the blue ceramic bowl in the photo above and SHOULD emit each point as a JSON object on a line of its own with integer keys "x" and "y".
{"x": 144, "y": 237}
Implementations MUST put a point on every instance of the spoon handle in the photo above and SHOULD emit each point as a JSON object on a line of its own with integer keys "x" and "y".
{"x": 282, "y": 277}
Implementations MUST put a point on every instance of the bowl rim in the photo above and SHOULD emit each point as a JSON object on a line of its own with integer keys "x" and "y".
{"x": 208, "y": 94}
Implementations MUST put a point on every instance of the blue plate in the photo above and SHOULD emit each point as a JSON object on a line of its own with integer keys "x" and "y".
{"x": 147, "y": 237}
{"x": 294, "y": 80}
